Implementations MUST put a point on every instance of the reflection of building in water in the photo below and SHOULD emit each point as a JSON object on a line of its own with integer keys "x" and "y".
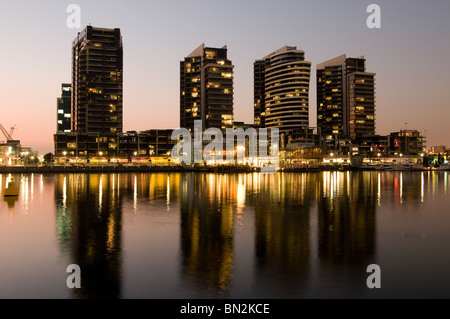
{"x": 282, "y": 244}
{"x": 346, "y": 222}
{"x": 206, "y": 203}
{"x": 408, "y": 187}
{"x": 155, "y": 186}
{"x": 89, "y": 226}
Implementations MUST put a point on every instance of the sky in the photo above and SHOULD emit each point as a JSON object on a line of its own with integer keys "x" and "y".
{"x": 409, "y": 54}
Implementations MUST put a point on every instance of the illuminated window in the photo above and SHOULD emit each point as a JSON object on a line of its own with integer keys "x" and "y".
{"x": 60, "y": 111}
{"x": 67, "y": 115}
{"x": 226, "y": 75}
{"x": 59, "y": 121}
{"x": 210, "y": 54}
{"x": 214, "y": 85}
{"x": 94, "y": 90}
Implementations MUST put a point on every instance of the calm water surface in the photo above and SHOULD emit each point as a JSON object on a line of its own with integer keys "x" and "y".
{"x": 199, "y": 235}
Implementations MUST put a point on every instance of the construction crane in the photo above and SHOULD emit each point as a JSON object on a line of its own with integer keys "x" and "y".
{"x": 7, "y": 135}
{"x": 11, "y": 131}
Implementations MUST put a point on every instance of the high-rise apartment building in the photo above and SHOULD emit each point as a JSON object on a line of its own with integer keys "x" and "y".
{"x": 281, "y": 90}
{"x": 345, "y": 99}
{"x": 97, "y": 81}
{"x": 206, "y": 88}
{"x": 63, "y": 116}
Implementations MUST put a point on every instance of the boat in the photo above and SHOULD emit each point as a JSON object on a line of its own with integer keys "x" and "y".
{"x": 11, "y": 189}
{"x": 383, "y": 167}
{"x": 408, "y": 167}
{"x": 440, "y": 167}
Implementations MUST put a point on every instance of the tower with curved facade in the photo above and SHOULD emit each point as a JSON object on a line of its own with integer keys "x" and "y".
{"x": 281, "y": 90}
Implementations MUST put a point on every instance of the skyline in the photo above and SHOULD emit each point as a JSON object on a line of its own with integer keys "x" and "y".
{"x": 156, "y": 38}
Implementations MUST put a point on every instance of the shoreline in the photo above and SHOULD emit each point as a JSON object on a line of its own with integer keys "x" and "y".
{"x": 169, "y": 169}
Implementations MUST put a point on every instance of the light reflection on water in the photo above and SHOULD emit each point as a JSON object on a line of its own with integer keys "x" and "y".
{"x": 201, "y": 235}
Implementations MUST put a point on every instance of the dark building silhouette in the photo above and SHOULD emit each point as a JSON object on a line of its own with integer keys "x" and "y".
{"x": 281, "y": 90}
{"x": 97, "y": 76}
{"x": 63, "y": 109}
{"x": 345, "y": 100}
{"x": 206, "y": 88}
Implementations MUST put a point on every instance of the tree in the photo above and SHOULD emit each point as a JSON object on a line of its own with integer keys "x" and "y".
{"x": 48, "y": 158}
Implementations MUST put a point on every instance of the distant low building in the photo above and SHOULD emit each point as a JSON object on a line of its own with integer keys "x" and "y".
{"x": 126, "y": 145}
{"x": 372, "y": 145}
{"x": 406, "y": 142}
{"x": 439, "y": 150}
{"x": 10, "y": 152}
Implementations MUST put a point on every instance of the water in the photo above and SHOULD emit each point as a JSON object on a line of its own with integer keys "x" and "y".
{"x": 200, "y": 235}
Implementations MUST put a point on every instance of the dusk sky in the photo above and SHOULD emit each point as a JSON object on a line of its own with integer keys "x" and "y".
{"x": 409, "y": 54}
